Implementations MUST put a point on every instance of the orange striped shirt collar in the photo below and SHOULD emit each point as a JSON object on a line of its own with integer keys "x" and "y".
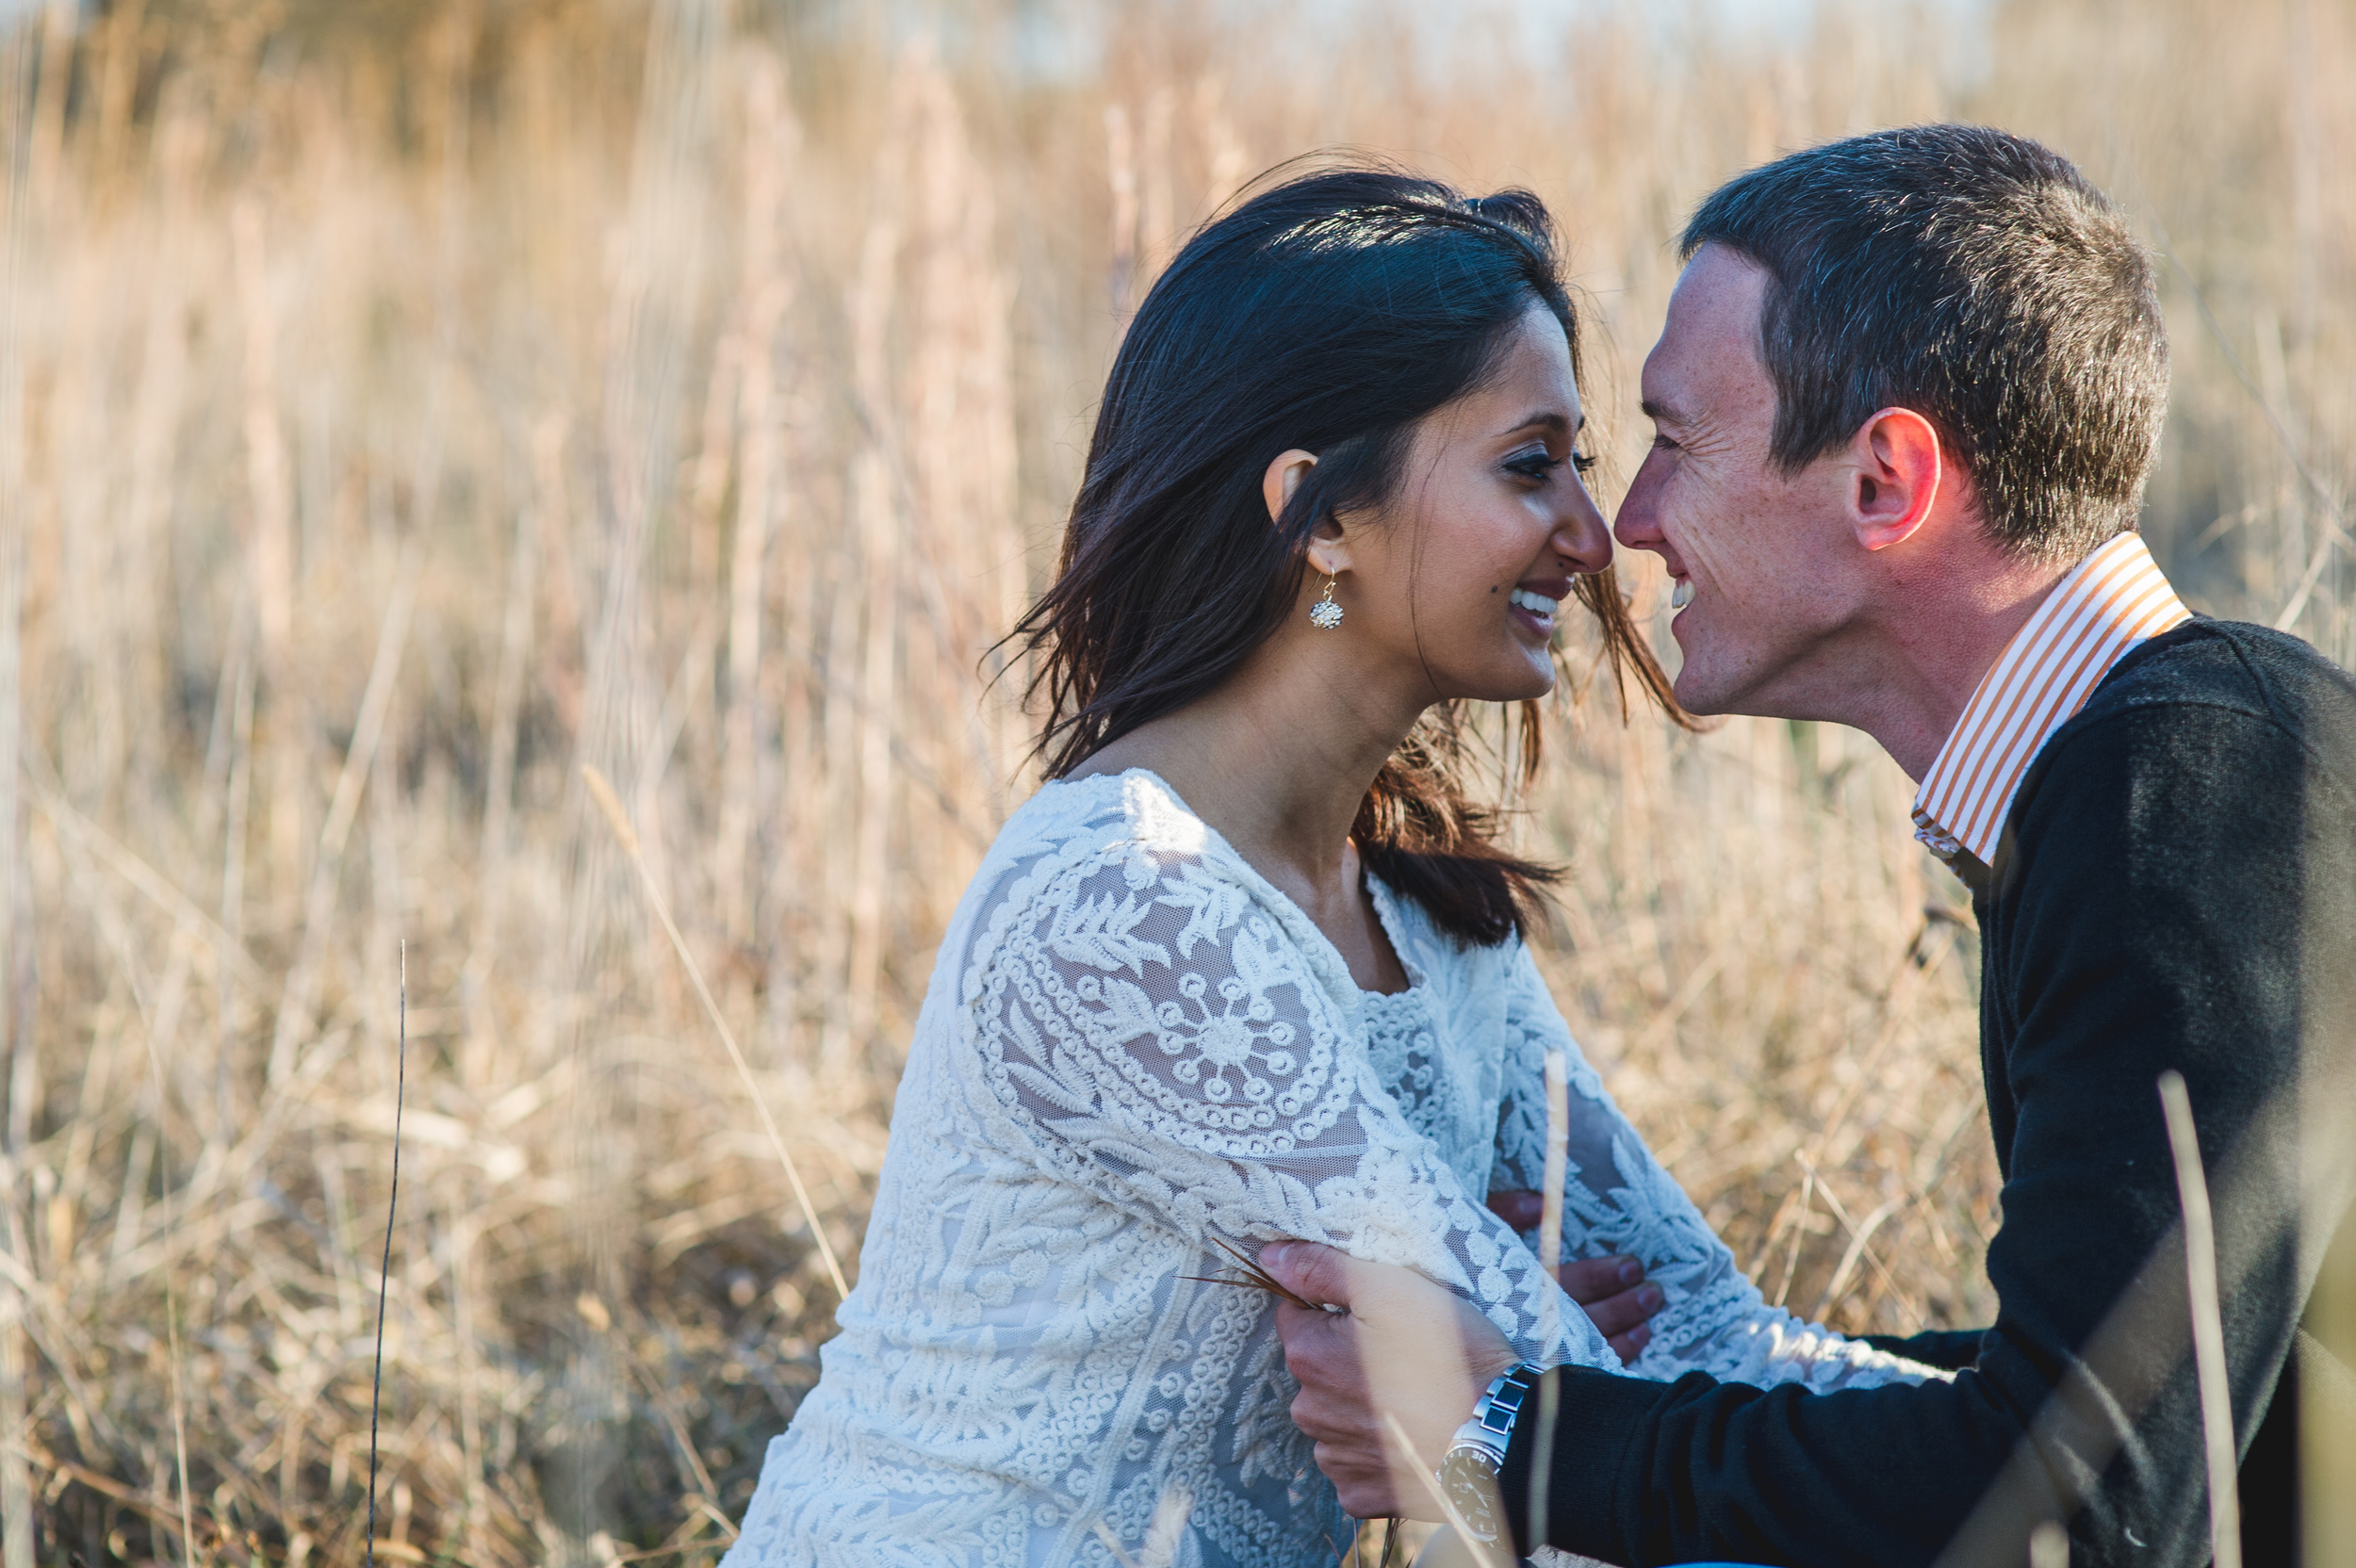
{"x": 2108, "y": 604}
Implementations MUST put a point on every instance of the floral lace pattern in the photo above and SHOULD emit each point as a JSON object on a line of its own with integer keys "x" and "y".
{"x": 1133, "y": 1047}
{"x": 1618, "y": 1200}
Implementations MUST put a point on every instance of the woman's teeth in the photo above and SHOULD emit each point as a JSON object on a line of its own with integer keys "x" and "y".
{"x": 1537, "y": 604}
{"x": 1682, "y": 595}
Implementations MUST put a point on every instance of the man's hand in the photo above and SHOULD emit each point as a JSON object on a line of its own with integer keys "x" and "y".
{"x": 1404, "y": 1348}
{"x": 1614, "y": 1291}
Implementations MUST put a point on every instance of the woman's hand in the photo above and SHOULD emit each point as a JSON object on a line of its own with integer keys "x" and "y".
{"x": 1614, "y": 1291}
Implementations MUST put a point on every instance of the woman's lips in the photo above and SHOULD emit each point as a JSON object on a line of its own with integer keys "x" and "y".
{"x": 1535, "y": 609}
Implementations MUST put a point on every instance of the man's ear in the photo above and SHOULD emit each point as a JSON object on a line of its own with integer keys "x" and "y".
{"x": 1284, "y": 477}
{"x": 1897, "y": 463}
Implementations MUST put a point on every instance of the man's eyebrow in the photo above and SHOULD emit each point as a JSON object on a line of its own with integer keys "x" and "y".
{"x": 1661, "y": 413}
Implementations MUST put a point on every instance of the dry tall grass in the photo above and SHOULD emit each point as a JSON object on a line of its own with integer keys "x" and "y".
{"x": 402, "y": 404}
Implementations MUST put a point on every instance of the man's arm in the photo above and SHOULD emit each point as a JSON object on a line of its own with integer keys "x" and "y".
{"x": 1952, "y": 1349}
{"x": 2161, "y": 922}
{"x": 2178, "y": 876}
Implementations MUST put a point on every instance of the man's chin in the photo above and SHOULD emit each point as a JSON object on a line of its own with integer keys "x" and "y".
{"x": 1700, "y": 696}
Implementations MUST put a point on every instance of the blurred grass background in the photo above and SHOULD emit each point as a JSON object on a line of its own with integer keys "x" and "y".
{"x": 404, "y": 402}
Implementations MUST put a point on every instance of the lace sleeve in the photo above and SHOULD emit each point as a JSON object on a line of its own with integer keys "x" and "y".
{"x": 1162, "y": 1029}
{"x": 1618, "y": 1199}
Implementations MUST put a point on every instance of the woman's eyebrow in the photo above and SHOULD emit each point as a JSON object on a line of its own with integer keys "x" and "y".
{"x": 1543, "y": 418}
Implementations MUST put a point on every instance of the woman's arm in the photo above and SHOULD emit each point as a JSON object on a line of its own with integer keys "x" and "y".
{"x": 1151, "y": 1022}
{"x": 1618, "y": 1200}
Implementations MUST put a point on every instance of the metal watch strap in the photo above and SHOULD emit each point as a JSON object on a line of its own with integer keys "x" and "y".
{"x": 1476, "y": 1456}
{"x": 1500, "y": 1407}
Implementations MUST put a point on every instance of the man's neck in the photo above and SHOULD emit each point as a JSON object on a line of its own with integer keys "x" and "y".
{"x": 1921, "y": 655}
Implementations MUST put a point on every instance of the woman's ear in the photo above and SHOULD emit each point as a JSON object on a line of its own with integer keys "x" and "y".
{"x": 1284, "y": 477}
{"x": 1328, "y": 555}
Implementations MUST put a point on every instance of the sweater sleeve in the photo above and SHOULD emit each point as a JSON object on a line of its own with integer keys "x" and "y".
{"x": 2179, "y": 892}
{"x": 1953, "y": 1348}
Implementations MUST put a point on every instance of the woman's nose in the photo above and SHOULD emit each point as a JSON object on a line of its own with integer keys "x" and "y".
{"x": 1581, "y": 538}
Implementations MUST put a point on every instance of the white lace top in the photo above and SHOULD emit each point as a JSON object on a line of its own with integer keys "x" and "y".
{"x": 1132, "y": 1045}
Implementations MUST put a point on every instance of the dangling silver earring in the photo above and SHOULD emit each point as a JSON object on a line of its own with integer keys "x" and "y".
{"x": 1325, "y": 614}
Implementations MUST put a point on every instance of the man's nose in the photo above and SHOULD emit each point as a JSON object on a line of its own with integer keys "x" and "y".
{"x": 1638, "y": 524}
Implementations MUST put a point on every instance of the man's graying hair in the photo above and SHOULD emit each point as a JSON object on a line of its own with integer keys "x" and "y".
{"x": 1980, "y": 279}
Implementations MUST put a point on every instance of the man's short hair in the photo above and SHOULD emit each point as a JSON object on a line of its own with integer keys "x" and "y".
{"x": 1978, "y": 279}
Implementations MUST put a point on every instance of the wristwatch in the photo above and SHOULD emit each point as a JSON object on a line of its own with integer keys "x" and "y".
{"x": 1469, "y": 1474}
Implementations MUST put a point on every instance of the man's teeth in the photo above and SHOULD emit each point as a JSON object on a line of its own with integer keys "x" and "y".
{"x": 1682, "y": 595}
{"x": 1537, "y": 604}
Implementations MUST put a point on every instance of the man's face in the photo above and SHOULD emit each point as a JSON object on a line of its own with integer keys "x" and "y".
{"x": 1760, "y": 553}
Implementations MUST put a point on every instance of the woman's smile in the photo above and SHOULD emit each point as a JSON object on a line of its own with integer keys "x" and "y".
{"x": 1534, "y": 607}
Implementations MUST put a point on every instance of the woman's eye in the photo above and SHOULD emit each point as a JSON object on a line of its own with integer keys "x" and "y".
{"x": 1534, "y": 466}
{"x": 1582, "y": 464}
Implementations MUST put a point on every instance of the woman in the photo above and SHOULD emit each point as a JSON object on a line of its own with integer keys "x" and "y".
{"x": 1251, "y": 964}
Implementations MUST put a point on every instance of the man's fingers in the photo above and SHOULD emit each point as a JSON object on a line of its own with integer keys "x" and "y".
{"x": 1365, "y": 1493}
{"x": 1315, "y": 1420}
{"x": 1315, "y": 1342}
{"x": 1312, "y": 1272}
{"x": 1522, "y": 1210}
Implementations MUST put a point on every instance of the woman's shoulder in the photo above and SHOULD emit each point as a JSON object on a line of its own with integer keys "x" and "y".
{"x": 1130, "y": 809}
{"x": 1124, "y": 850}
{"x": 1126, "y": 837}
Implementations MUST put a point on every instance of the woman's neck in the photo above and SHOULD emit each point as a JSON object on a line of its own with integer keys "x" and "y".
{"x": 1278, "y": 767}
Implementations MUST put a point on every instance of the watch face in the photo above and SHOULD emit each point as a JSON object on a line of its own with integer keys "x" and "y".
{"x": 1469, "y": 1478}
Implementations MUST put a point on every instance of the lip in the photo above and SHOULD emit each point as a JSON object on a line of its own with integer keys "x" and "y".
{"x": 1543, "y": 631}
{"x": 1540, "y": 628}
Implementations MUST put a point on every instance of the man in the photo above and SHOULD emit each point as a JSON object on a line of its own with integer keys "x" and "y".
{"x": 1908, "y": 395}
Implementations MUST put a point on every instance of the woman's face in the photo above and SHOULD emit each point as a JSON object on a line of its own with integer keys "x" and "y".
{"x": 1462, "y": 577}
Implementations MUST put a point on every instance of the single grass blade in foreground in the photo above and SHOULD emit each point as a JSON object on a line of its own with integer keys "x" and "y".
{"x": 611, "y": 804}
{"x": 2208, "y": 1324}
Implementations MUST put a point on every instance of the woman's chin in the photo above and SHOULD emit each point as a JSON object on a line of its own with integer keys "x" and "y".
{"x": 1526, "y": 683}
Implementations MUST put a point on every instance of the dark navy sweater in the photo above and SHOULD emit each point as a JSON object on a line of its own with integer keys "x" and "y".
{"x": 2175, "y": 888}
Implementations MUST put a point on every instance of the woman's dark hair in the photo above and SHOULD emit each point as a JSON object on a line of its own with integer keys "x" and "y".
{"x": 1330, "y": 313}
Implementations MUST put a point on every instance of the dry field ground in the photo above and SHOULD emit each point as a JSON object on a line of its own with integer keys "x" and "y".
{"x": 403, "y": 402}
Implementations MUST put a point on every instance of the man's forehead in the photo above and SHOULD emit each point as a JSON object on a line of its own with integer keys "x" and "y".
{"x": 1717, "y": 297}
{"x": 1711, "y": 334}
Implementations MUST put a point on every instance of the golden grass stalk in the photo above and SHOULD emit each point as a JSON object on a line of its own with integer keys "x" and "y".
{"x": 1557, "y": 1071}
{"x": 1247, "y": 1275}
{"x": 2208, "y": 1323}
{"x": 1484, "y": 1553}
{"x": 611, "y": 805}
{"x": 385, "y": 1264}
